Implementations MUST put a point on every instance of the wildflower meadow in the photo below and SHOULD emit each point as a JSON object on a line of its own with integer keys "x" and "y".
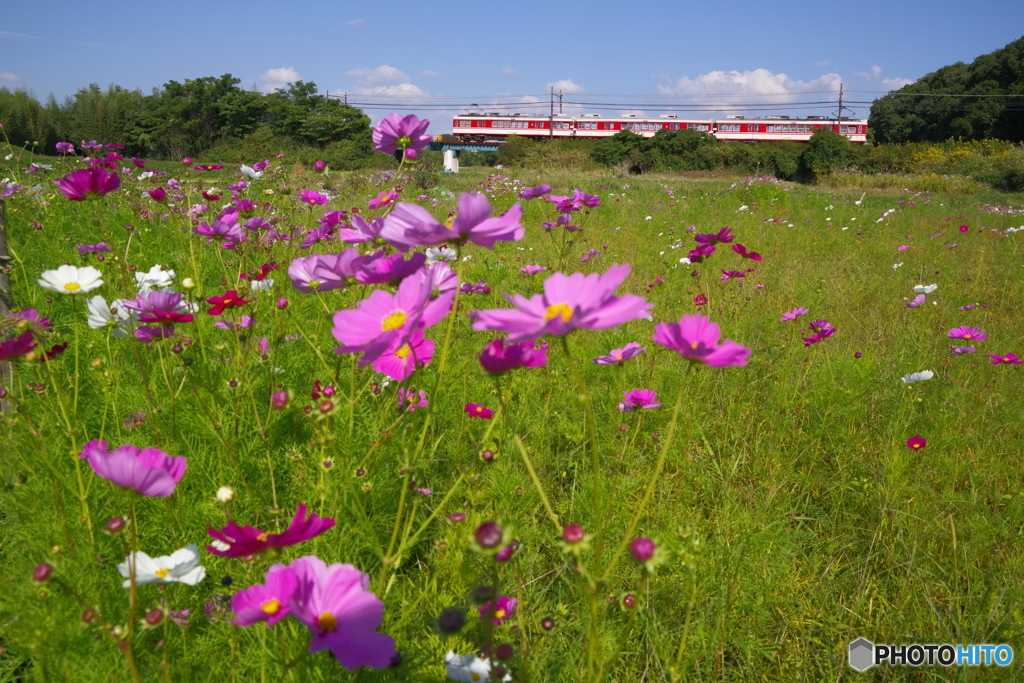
{"x": 281, "y": 423}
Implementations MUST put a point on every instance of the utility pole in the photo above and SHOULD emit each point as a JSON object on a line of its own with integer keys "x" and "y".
{"x": 551, "y": 117}
{"x": 840, "y": 120}
{"x": 559, "y": 101}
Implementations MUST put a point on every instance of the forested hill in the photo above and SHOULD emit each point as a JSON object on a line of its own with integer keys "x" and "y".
{"x": 190, "y": 118}
{"x": 956, "y": 101}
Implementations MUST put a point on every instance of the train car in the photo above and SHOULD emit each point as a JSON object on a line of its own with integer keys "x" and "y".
{"x": 494, "y": 126}
{"x": 785, "y": 128}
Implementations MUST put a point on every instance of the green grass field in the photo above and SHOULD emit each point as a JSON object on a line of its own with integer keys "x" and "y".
{"x": 790, "y": 514}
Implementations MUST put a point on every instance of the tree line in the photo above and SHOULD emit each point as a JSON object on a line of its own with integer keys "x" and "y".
{"x": 209, "y": 117}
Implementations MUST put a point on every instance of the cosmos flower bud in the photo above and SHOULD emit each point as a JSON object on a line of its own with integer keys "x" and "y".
{"x": 488, "y": 535}
{"x": 115, "y": 525}
{"x": 451, "y": 620}
{"x": 42, "y": 572}
{"x": 225, "y": 494}
{"x": 642, "y": 549}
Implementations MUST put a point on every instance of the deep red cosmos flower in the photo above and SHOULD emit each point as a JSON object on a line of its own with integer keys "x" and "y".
{"x": 247, "y": 540}
{"x": 231, "y": 299}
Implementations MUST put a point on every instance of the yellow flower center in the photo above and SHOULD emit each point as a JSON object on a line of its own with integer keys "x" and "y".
{"x": 694, "y": 345}
{"x": 556, "y": 310}
{"x": 395, "y": 320}
{"x": 403, "y": 351}
{"x": 618, "y": 356}
{"x": 162, "y": 573}
{"x": 271, "y": 606}
{"x": 327, "y": 622}
{"x": 262, "y": 537}
{"x": 72, "y": 286}
{"x": 500, "y": 614}
{"x": 966, "y": 336}
{"x": 474, "y": 675}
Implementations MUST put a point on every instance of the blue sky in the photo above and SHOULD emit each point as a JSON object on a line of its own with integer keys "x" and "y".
{"x": 639, "y": 57}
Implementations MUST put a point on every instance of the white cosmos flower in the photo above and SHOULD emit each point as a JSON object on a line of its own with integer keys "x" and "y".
{"x": 436, "y": 254}
{"x": 918, "y": 376}
{"x": 154, "y": 278}
{"x": 71, "y": 279}
{"x": 115, "y": 315}
{"x": 257, "y": 286}
{"x": 146, "y": 175}
{"x": 469, "y": 668}
{"x": 926, "y": 289}
{"x": 181, "y": 566}
{"x": 251, "y": 172}
{"x": 897, "y": 265}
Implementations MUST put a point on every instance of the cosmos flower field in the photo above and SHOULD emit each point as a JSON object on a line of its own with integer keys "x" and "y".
{"x": 281, "y": 423}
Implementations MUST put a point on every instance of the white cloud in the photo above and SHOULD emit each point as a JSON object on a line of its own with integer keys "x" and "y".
{"x": 826, "y": 63}
{"x": 398, "y": 90}
{"x": 567, "y": 87}
{"x": 354, "y": 22}
{"x": 382, "y": 74}
{"x": 275, "y": 79}
{"x": 8, "y": 77}
{"x": 509, "y": 71}
{"x": 875, "y": 74}
{"x": 639, "y": 113}
{"x": 895, "y": 83}
{"x": 429, "y": 74}
{"x": 758, "y": 81}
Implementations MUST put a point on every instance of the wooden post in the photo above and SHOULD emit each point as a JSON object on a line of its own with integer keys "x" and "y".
{"x": 5, "y": 301}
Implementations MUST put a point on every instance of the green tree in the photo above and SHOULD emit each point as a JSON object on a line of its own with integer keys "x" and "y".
{"x": 825, "y": 151}
{"x": 611, "y": 151}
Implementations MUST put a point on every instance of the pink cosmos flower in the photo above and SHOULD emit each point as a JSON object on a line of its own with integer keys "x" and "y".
{"x": 88, "y": 183}
{"x": 148, "y": 471}
{"x": 383, "y": 317}
{"x": 902, "y": 247}
{"x": 247, "y": 540}
{"x": 32, "y": 316}
{"x": 532, "y": 270}
{"x": 742, "y": 251}
{"x": 700, "y": 253}
{"x": 498, "y": 357}
{"x": 918, "y": 300}
{"x": 700, "y": 299}
{"x": 1008, "y": 359}
{"x": 570, "y": 302}
{"x": 479, "y": 410}
{"x": 146, "y": 334}
{"x": 19, "y": 346}
{"x": 210, "y": 167}
{"x": 970, "y": 333}
{"x": 960, "y": 350}
{"x": 377, "y": 269}
{"x": 335, "y": 602}
{"x": 411, "y": 399}
{"x": 399, "y": 361}
{"x": 967, "y": 307}
{"x": 65, "y": 147}
{"x": 529, "y": 193}
{"x": 407, "y": 134}
{"x": 497, "y": 610}
{"x": 696, "y": 339}
{"x": 639, "y": 399}
{"x": 723, "y": 236}
{"x": 269, "y": 602}
{"x": 794, "y": 314}
{"x": 472, "y": 224}
{"x": 319, "y": 166}
{"x": 313, "y": 198}
{"x": 616, "y": 356}
{"x": 164, "y": 308}
{"x": 917, "y": 442}
{"x": 229, "y": 232}
{"x": 383, "y": 200}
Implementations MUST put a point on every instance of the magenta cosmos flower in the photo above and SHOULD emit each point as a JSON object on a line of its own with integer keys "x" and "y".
{"x": 1008, "y": 359}
{"x": 569, "y": 302}
{"x": 616, "y": 356}
{"x": 335, "y": 602}
{"x": 407, "y": 133}
{"x": 794, "y": 314}
{"x": 529, "y": 193}
{"x": 639, "y": 399}
{"x": 479, "y": 410}
{"x": 88, "y": 183}
{"x": 498, "y": 357}
{"x": 497, "y": 610}
{"x": 313, "y": 198}
{"x": 742, "y": 251}
{"x": 231, "y": 299}
{"x": 148, "y": 471}
{"x": 383, "y": 317}
{"x": 247, "y": 540}
{"x": 399, "y": 361}
{"x": 472, "y": 224}
{"x": 970, "y": 333}
{"x": 696, "y": 339}
{"x": 18, "y": 346}
{"x": 917, "y": 442}
{"x": 269, "y": 602}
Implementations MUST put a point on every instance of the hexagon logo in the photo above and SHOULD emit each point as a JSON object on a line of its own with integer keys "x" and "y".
{"x": 862, "y": 654}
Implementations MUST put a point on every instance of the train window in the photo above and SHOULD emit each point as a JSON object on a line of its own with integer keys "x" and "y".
{"x": 752, "y": 128}
{"x": 561, "y": 125}
{"x": 673, "y": 126}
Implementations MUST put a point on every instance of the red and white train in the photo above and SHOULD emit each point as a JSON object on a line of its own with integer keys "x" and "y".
{"x": 494, "y": 126}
